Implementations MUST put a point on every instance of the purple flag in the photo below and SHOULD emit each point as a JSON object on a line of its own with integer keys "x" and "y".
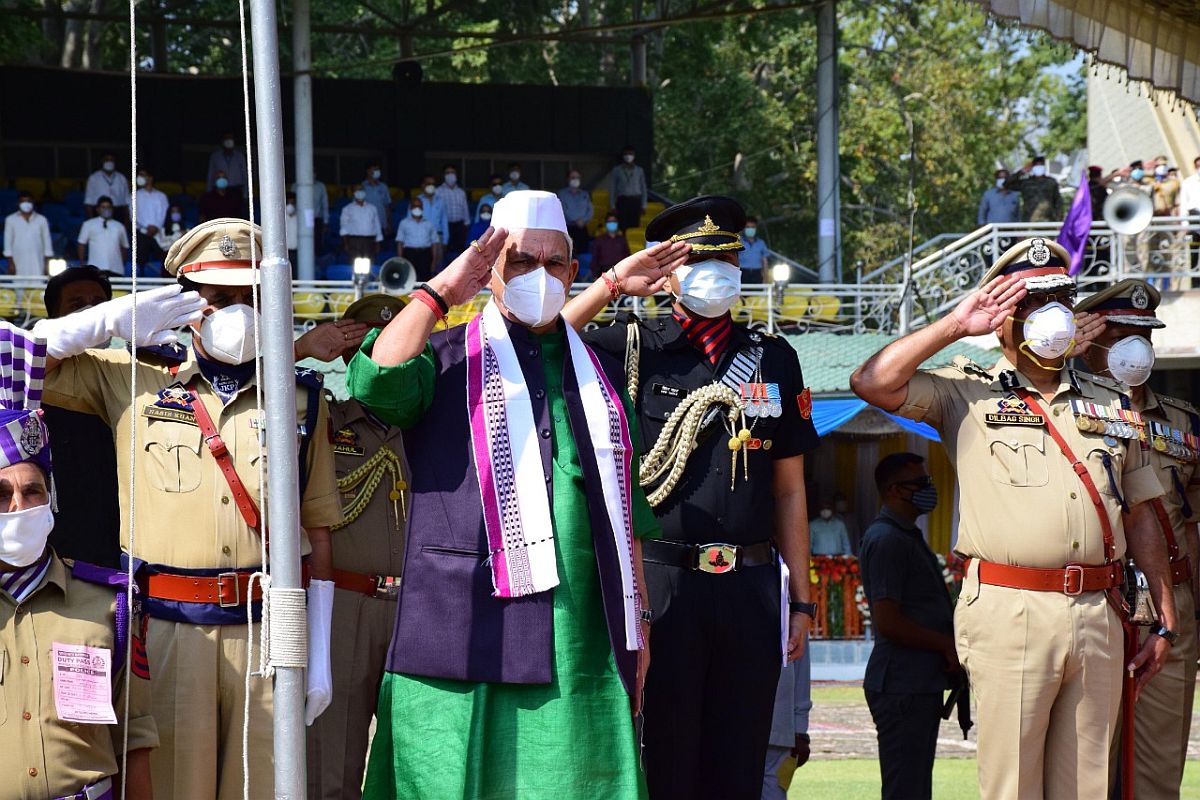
{"x": 1077, "y": 225}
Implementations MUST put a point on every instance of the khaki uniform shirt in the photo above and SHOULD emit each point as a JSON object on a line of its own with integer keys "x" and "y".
{"x": 40, "y": 755}
{"x": 186, "y": 516}
{"x": 373, "y": 541}
{"x": 1020, "y": 501}
{"x": 1174, "y": 414}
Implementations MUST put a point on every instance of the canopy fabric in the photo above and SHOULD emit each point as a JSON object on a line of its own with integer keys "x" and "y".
{"x": 1154, "y": 40}
{"x": 829, "y": 415}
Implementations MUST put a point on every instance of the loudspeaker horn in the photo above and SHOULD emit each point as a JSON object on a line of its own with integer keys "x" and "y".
{"x": 1128, "y": 211}
{"x": 397, "y": 276}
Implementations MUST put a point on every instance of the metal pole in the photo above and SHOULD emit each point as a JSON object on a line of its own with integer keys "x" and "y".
{"x": 279, "y": 374}
{"x": 305, "y": 204}
{"x": 828, "y": 169}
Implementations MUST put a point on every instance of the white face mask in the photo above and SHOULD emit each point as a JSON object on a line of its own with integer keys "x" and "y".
{"x": 573, "y": 183}
{"x": 1130, "y": 360}
{"x": 1050, "y": 331}
{"x": 534, "y": 298}
{"x": 375, "y": 174}
{"x": 360, "y": 195}
{"x": 23, "y": 534}
{"x": 141, "y": 180}
{"x": 709, "y": 288}
{"x": 497, "y": 189}
{"x": 26, "y": 207}
{"x": 1000, "y": 183}
{"x": 416, "y": 213}
{"x": 1039, "y": 170}
{"x": 227, "y": 334}
{"x": 826, "y": 513}
{"x": 451, "y": 178}
{"x": 628, "y": 158}
{"x": 1160, "y": 171}
{"x": 227, "y": 144}
{"x": 430, "y": 188}
{"x": 514, "y": 176}
{"x": 290, "y": 208}
{"x": 109, "y": 166}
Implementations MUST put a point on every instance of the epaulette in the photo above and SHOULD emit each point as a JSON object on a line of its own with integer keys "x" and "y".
{"x": 1177, "y": 402}
{"x": 309, "y": 377}
{"x": 166, "y": 353}
{"x": 1101, "y": 380}
{"x": 968, "y": 367}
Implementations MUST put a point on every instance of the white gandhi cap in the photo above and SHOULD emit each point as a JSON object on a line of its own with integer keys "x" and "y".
{"x": 529, "y": 209}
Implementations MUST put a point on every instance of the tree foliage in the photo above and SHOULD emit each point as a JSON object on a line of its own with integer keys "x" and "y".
{"x": 734, "y": 96}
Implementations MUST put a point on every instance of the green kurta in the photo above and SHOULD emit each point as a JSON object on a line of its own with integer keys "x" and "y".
{"x": 440, "y": 739}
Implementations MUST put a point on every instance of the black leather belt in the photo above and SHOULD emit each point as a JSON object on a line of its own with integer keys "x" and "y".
{"x": 716, "y": 558}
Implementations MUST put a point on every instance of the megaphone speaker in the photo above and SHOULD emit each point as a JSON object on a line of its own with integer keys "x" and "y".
{"x": 1128, "y": 210}
{"x": 397, "y": 276}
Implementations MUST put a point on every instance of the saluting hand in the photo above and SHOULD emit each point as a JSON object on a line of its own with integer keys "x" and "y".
{"x": 329, "y": 340}
{"x": 646, "y": 272}
{"x": 1087, "y": 328}
{"x": 471, "y": 271}
{"x": 984, "y": 310}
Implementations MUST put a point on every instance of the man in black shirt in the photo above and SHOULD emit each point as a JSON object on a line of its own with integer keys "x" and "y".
{"x": 914, "y": 656}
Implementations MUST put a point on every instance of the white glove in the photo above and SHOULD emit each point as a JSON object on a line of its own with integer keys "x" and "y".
{"x": 158, "y": 312}
{"x": 318, "y": 677}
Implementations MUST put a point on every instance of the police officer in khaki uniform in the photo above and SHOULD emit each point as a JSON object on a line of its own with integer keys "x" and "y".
{"x": 368, "y": 558}
{"x": 64, "y": 637}
{"x": 1123, "y": 351}
{"x": 1037, "y": 623}
{"x": 194, "y": 541}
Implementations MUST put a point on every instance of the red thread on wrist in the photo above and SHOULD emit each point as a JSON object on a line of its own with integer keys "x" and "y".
{"x": 427, "y": 299}
{"x": 614, "y": 286}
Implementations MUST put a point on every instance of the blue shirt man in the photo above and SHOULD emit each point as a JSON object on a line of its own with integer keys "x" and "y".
{"x": 753, "y": 260}
{"x": 379, "y": 196}
{"x": 914, "y": 655}
{"x": 998, "y": 203}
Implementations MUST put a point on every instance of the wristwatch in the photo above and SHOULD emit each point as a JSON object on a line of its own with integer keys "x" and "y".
{"x": 1166, "y": 633}
{"x": 796, "y": 607}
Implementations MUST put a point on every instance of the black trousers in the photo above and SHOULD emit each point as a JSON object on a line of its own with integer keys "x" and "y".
{"x": 458, "y": 237}
{"x": 907, "y": 728}
{"x": 422, "y": 261}
{"x": 629, "y": 215}
{"x": 710, "y": 692}
{"x": 359, "y": 246}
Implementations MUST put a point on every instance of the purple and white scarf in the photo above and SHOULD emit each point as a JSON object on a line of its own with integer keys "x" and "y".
{"x": 23, "y": 435}
{"x": 508, "y": 463}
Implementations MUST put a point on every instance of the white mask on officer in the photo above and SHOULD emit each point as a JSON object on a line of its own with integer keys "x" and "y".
{"x": 1130, "y": 360}
{"x": 1049, "y": 331}
{"x": 709, "y": 288}
{"x": 23, "y": 534}
{"x": 534, "y": 298}
{"x": 227, "y": 334}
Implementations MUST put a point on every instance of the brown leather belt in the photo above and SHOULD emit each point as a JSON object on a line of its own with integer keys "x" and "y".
{"x": 1072, "y": 580}
{"x": 384, "y": 587}
{"x": 1181, "y": 571}
{"x": 225, "y": 590}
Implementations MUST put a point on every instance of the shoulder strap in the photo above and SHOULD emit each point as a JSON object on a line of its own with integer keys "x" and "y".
{"x": 311, "y": 410}
{"x": 1081, "y": 470}
{"x": 216, "y": 446}
{"x": 1164, "y": 522}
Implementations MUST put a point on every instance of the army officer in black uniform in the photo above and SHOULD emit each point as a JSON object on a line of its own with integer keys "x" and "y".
{"x": 725, "y": 423}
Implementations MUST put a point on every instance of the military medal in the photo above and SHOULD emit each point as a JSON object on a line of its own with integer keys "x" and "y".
{"x": 774, "y": 400}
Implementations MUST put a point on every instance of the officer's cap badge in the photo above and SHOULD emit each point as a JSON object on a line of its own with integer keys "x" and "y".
{"x": 227, "y": 247}
{"x": 1139, "y": 297}
{"x": 1039, "y": 253}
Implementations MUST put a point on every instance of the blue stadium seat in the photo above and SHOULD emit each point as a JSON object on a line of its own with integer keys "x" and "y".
{"x": 8, "y": 201}
{"x": 73, "y": 200}
{"x": 339, "y": 272}
{"x": 57, "y": 215}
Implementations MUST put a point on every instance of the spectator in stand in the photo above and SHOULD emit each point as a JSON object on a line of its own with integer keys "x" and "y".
{"x": 222, "y": 201}
{"x": 152, "y": 208}
{"x": 914, "y": 657}
{"x": 489, "y": 200}
{"x": 999, "y": 203}
{"x": 320, "y": 214}
{"x": 415, "y": 240}
{"x": 379, "y": 195}
{"x": 1189, "y": 204}
{"x": 360, "y": 226}
{"x": 1041, "y": 199}
{"x": 103, "y": 241}
{"x": 1164, "y": 190}
{"x": 108, "y": 182}
{"x": 173, "y": 228}
{"x": 577, "y": 208}
{"x": 458, "y": 211}
{"x": 789, "y": 746}
{"x": 1156, "y": 248}
{"x": 27, "y": 243}
{"x": 435, "y": 212}
{"x": 514, "y": 180}
{"x": 230, "y": 161}
{"x": 291, "y": 230}
{"x": 827, "y": 532}
{"x": 483, "y": 221}
{"x": 753, "y": 259}
{"x": 610, "y": 247}
{"x": 627, "y": 190}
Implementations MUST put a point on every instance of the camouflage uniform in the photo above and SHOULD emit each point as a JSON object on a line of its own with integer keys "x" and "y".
{"x": 1041, "y": 200}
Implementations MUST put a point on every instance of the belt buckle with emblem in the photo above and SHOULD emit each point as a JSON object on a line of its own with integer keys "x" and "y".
{"x": 716, "y": 559}
{"x": 386, "y": 587}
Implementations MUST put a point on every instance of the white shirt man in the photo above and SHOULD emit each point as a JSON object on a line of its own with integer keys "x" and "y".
{"x": 152, "y": 208}
{"x": 361, "y": 219}
{"x": 1189, "y": 194}
{"x": 108, "y": 183}
{"x": 106, "y": 241}
{"x": 27, "y": 242}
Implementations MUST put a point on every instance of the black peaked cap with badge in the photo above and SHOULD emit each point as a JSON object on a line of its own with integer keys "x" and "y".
{"x": 376, "y": 310}
{"x": 710, "y": 224}
{"x": 1127, "y": 302}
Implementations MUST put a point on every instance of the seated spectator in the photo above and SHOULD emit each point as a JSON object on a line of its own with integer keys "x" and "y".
{"x": 103, "y": 241}
{"x": 152, "y": 208}
{"x": 753, "y": 259}
{"x": 108, "y": 182}
{"x": 415, "y": 239}
{"x": 27, "y": 243}
{"x": 172, "y": 228}
{"x": 223, "y": 200}
{"x": 360, "y": 227}
{"x": 482, "y": 222}
{"x": 489, "y": 200}
{"x": 577, "y": 209}
{"x": 609, "y": 247}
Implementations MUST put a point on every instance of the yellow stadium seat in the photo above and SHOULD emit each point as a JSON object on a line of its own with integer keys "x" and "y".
{"x": 60, "y": 186}
{"x": 752, "y": 308}
{"x": 394, "y": 192}
{"x": 600, "y": 201}
{"x": 195, "y": 188}
{"x": 636, "y": 237}
{"x": 794, "y": 305}
{"x": 308, "y": 305}
{"x": 476, "y": 194}
{"x": 169, "y": 188}
{"x": 339, "y": 302}
{"x": 824, "y": 307}
{"x": 35, "y": 186}
{"x": 10, "y": 305}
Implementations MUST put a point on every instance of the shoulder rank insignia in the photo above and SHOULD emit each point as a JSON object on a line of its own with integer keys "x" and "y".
{"x": 345, "y": 441}
{"x": 1012, "y": 410}
{"x": 969, "y": 367}
{"x": 174, "y": 403}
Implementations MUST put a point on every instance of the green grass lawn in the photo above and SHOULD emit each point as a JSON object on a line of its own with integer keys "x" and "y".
{"x": 953, "y": 779}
